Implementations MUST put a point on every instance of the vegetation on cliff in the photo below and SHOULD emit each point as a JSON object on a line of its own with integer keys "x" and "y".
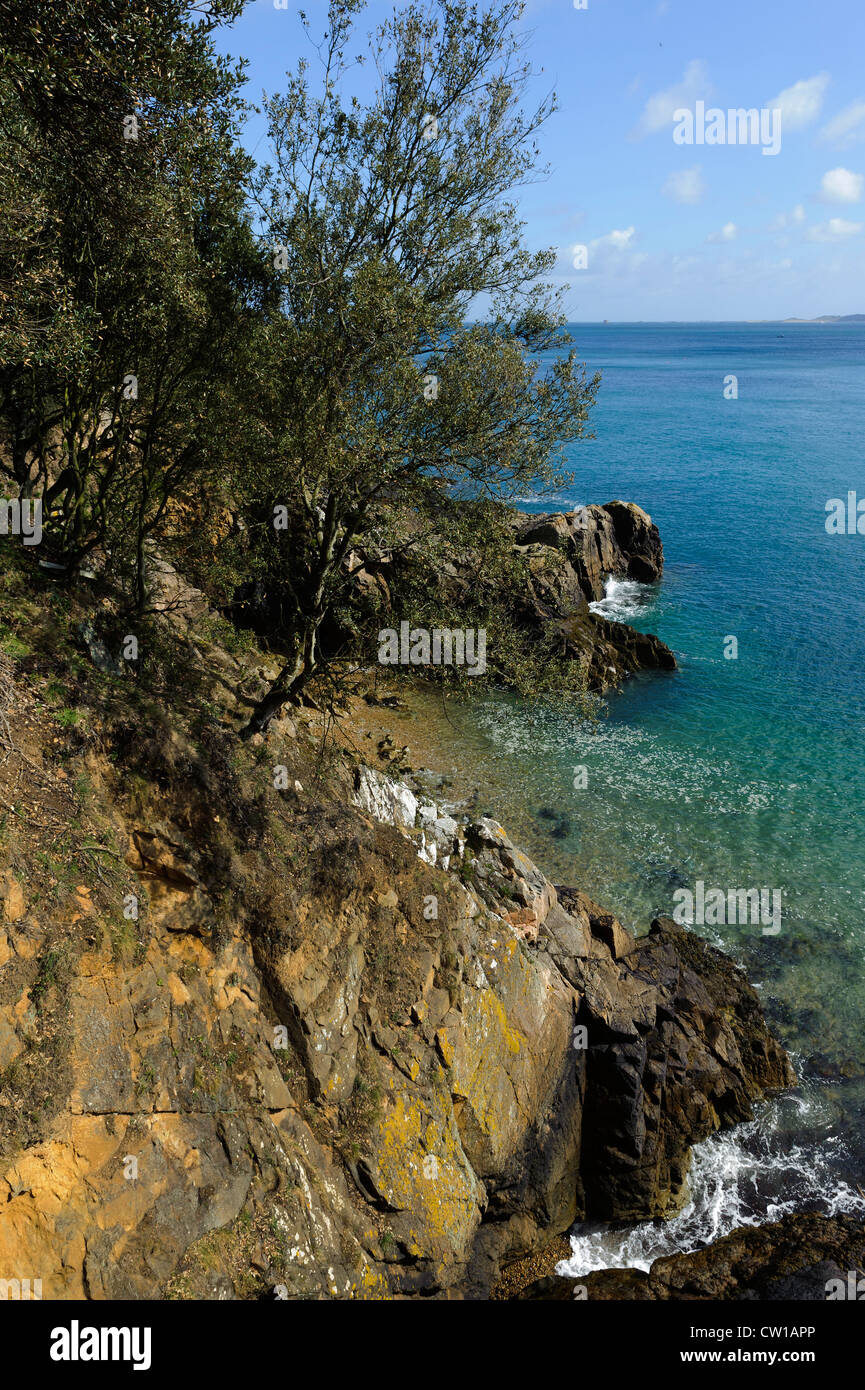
{"x": 253, "y": 369}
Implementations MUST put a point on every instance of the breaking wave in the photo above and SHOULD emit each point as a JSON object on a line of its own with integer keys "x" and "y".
{"x": 755, "y": 1173}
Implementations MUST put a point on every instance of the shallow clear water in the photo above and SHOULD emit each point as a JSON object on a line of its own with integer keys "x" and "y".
{"x": 746, "y": 772}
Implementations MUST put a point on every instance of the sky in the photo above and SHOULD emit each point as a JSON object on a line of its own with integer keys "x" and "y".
{"x": 647, "y": 223}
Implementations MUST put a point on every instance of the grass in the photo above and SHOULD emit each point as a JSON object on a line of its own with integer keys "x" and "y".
{"x": 46, "y": 976}
{"x": 12, "y": 645}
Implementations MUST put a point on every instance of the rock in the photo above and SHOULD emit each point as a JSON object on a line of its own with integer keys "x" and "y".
{"x": 507, "y": 878}
{"x": 805, "y": 1257}
{"x": 14, "y": 905}
{"x": 394, "y": 803}
{"x": 678, "y": 1048}
{"x": 638, "y": 540}
{"x": 289, "y": 1041}
{"x": 178, "y": 899}
{"x": 567, "y": 556}
{"x": 616, "y": 539}
{"x": 551, "y": 529}
{"x": 441, "y": 835}
{"x": 604, "y": 926}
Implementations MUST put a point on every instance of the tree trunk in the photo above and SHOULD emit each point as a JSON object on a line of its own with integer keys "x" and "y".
{"x": 267, "y": 709}
{"x": 287, "y": 686}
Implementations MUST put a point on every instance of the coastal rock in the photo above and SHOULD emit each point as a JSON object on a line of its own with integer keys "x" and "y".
{"x": 616, "y": 539}
{"x": 507, "y": 878}
{"x": 638, "y": 541}
{"x": 805, "y": 1257}
{"x": 386, "y": 800}
{"x": 567, "y": 558}
{"x": 363, "y": 1076}
{"x": 677, "y": 1048}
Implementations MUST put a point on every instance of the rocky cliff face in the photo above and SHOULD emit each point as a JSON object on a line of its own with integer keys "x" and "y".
{"x": 618, "y": 538}
{"x": 570, "y": 555}
{"x": 278, "y": 1027}
{"x": 346, "y": 1050}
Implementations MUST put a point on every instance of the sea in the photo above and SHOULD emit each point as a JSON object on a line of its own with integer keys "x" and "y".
{"x": 745, "y": 768}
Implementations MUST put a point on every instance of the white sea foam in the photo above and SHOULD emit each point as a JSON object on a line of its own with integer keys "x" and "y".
{"x": 623, "y": 599}
{"x": 750, "y": 1175}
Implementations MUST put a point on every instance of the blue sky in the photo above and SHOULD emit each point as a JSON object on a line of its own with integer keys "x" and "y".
{"x": 674, "y": 231}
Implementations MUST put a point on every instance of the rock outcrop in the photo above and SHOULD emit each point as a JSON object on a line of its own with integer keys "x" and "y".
{"x": 677, "y": 1048}
{"x": 616, "y": 539}
{"x": 410, "y": 1075}
{"x": 565, "y": 559}
{"x": 805, "y": 1257}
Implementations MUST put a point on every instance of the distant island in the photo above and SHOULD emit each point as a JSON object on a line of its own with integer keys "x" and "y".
{"x": 824, "y": 318}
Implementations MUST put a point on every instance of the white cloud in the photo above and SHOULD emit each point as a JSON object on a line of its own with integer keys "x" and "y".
{"x": 727, "y": 233}
{"x": 847, "y": 127}
{"x": 658, "y": 111}
{"x": 612, "y": 254}
{"x": 800, "y": 104}
{"x": 841, "y": 186}
{"x": 836, "y": 229}
{"x": 788, "y": 219}
{"x": 616, "y": 241}
{"x": 685, "y": 185}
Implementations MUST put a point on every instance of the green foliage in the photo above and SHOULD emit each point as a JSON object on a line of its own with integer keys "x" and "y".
{"x": 391, "y": 229}
{"x": 130, "y": 281}
{"x": 349, "y": 337}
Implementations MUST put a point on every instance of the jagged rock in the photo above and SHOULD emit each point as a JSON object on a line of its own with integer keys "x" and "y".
{"x": 805, "y": 1257}
{"x": 507, "y": 878}
{"x": 394, "y": 803}
{"x": 678, "y": 1048}
{"x": 569, "y": 557}
{"x": 618, "y": 538}
{"x": 638, "y": 540}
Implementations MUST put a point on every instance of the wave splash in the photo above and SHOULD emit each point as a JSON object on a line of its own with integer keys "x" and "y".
{"x": 746, "y": 1177}
{"x": 623, "y": 599}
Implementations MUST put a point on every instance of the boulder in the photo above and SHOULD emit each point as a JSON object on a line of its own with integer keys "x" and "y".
{"x": 618, "y": 538}
{"x": 805, "y": 1257}
{"x": 677, "y": 1048}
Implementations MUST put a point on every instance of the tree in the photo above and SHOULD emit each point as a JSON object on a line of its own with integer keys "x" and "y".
{"x": 131, "y": 283}
{"x": 390, "y": 219}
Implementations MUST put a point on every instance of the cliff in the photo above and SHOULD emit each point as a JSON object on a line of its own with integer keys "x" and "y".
{"x": 550, "y": 568}
{"x": 274, "y": 1029}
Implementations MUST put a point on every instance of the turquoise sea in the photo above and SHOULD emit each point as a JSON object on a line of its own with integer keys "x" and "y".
{"x": 745, "y": 772}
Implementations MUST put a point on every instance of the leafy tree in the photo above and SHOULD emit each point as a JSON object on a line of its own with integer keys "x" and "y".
{"x": 390, "y": 219}
{"x": 131, "y": 285}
